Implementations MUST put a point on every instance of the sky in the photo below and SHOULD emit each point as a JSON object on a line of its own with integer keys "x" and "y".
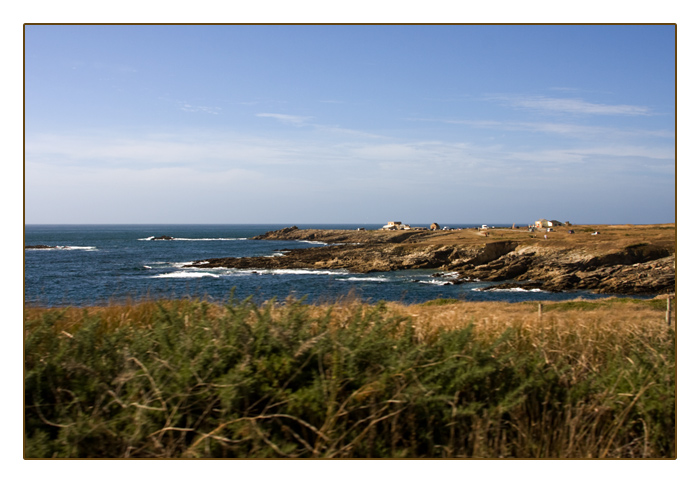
{"x": 349, "y": 123}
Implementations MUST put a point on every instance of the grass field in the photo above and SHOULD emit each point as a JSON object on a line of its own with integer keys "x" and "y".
{"x": 445, "y": 379}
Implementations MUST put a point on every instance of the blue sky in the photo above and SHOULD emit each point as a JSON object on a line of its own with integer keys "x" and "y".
{"x": 349, "y": 124}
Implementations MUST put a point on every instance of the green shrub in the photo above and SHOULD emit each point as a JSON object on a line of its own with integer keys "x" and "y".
{"x": 287, "y": 380}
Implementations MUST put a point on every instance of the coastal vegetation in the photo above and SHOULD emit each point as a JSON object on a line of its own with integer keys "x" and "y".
{"x": 285, "y": 379}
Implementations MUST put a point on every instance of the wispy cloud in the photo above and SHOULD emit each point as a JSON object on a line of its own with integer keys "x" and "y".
{"x": 135, "y": 169}
{"x": 569, "y": 105}
{"x": 300, "y": 121}
{"x": 286, "y": 118}
{"x": 187, "y": 107}
{"x": 559, "y": 128}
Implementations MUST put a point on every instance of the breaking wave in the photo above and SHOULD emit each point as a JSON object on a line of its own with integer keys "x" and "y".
{"x": 365, "y": 279}
{"x": 89, "y": 249}
{"x": 184, "y": 274}
{"x": 152, "y": 238}
{"x": 435, "y": 282}
{"x": 513, "y": 290}
{"x": 293, "y": 271}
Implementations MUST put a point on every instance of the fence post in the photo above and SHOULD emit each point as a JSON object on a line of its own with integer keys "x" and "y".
{"x": 539, "y": 310}
{"x": 668, "y": 310}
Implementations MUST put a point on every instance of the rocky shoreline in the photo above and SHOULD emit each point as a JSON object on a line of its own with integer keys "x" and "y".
{"x": 515, "y": 257}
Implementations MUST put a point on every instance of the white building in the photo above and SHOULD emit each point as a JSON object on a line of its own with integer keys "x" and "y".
{"x": 392, "y": 225}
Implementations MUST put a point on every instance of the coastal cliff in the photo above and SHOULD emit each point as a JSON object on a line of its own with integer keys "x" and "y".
{"x": 622, "y": 259}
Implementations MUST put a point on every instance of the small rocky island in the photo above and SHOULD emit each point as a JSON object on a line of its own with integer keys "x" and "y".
{"x": 619, "y": 259}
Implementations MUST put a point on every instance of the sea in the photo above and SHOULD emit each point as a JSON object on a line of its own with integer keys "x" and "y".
{"x": 113, "y": 264}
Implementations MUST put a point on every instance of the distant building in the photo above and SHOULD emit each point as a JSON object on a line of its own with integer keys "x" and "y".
{"x": 434, "y": 226}
{"x": 392, "y": 225}
{"x": 542, "y": 223}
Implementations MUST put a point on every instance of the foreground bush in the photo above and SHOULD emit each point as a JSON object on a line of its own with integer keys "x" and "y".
{"x": 192, "y": 379}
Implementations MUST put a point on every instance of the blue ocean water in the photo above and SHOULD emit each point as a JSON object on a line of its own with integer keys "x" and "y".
{"x": 99, "y": 264}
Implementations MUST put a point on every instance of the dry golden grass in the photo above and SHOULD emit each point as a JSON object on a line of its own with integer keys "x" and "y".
{"x": 585, "y": 379}
{"x": 611, "y": 238}
{"x": 608, "y": 316}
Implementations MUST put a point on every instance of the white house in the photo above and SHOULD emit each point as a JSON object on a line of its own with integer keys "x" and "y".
{"x": 542, "y": 223}
{"x": 392, "y": 225}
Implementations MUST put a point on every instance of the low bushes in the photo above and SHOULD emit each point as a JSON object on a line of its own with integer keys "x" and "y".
{"x": 192, "y": 379}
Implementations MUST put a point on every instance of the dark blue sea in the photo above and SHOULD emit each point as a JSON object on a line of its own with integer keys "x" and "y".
{"x": 100, "y": 264}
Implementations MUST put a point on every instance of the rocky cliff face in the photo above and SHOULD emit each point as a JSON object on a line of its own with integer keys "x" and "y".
{"x": 642, "y": 268}
{"x": 645, "y": 271}
{"x": 365, "y": 258}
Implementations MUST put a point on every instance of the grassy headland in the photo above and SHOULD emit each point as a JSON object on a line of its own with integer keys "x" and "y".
{"x": 618, "y": 259}
{"x": 174, "y": 379}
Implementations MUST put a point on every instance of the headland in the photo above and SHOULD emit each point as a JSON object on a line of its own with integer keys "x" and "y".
{"x": 615, "y": 259}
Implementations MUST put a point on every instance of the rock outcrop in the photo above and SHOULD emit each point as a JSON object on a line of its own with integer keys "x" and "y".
{"x": 567, "y": 264}
{"x": 650, "y": 270}
{"x": 367, "y": 258}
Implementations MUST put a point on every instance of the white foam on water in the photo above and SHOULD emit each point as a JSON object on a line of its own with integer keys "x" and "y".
{"x": 513, "y": 290}
{"x": 300, "y": 271}
{"x": 193, "y": 272}
{"x": 191, "y": 239}
{"x": 434, "y": 282}
{"x": 146, "y": 266}
{"x": 180, "y": 264}
{"x": 313, "y": 242}
{"x": 184, "y": 274}
{"x": 289, "y": 271}
{"x": 88, "y": 249}
{"x": 364, "y": 279}
{"x": 208, "y": 239}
